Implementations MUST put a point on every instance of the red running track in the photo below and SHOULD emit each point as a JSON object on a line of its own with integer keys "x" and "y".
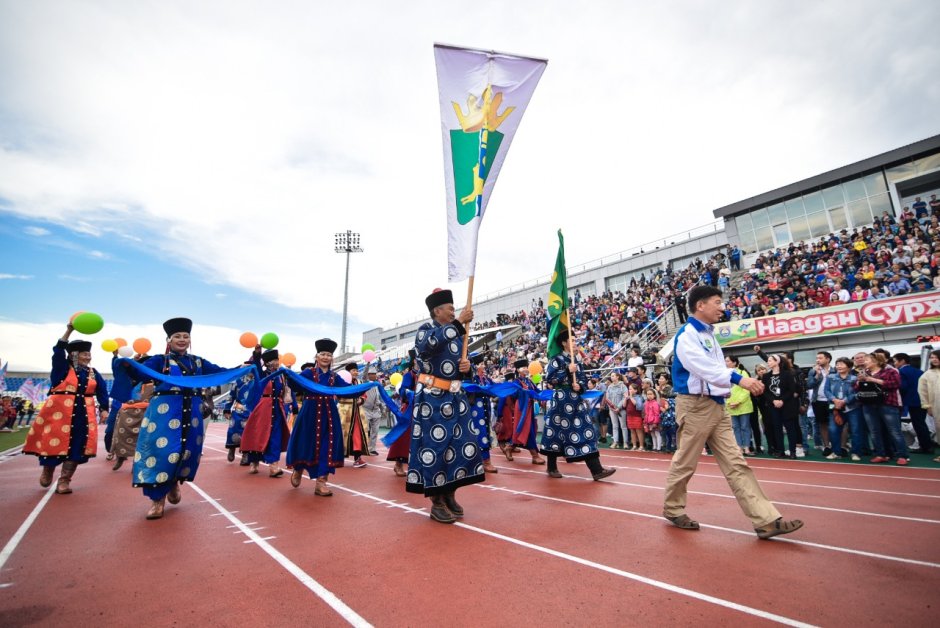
{"x": 247, "y": 549}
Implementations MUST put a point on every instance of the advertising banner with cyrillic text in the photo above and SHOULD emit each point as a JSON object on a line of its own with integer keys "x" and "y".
{"x": 911, "y": 309}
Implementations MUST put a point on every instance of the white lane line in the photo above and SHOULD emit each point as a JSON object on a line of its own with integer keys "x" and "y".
{"x": 766, "y": 481}
{"x": 10, "y": 454}
{"x": 303, "y": 577}
{"x": 705, "y": 461}
{"x": 834, "y": 548}
{"x": 10, "y": 547}
{"x": 756, "y": 612}
{"x": 267, "y": 538}
{"x": 725, "y": 496}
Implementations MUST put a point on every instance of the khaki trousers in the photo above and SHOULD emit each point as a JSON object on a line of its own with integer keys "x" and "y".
{"x": 701, "y": 420}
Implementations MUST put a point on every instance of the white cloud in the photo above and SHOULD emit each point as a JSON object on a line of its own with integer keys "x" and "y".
{"x": 214, "y": 129}
{"x": 98, "y": 254}
{"x": 36, "y": 231}
{"x": 9, "y": 276}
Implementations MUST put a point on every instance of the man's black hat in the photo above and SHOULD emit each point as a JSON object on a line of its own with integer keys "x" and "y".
{"x": 352, "y": 366}
{"x": 523, "y": 363}
{"x": 438, "y": 297}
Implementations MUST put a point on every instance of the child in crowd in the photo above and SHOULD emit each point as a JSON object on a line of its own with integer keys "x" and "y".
{"x": 651, "y": 419}
{"x": 634, "y": 405}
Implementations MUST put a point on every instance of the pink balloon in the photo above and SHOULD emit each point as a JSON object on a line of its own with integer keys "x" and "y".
{"x": 369, "y": 355}
{"x": 346, "y": 376}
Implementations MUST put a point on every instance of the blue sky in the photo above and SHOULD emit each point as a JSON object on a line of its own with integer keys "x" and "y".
{"x": 155, "y": 155}
{"x": 57, "y": 270}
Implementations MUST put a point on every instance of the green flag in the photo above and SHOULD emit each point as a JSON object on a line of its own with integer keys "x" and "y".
{"x": 558, "y": 301}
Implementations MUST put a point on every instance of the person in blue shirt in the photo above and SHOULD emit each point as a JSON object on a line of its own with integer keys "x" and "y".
{"x": 702, "y": 381}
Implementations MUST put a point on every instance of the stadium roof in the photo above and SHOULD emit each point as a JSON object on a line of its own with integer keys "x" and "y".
{"x": 821, "y": 180}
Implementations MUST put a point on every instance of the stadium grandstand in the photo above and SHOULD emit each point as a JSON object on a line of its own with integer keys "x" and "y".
{"x": 866, "y": 232}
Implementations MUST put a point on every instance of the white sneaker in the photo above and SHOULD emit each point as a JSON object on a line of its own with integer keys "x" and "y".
{"x": 832, "y": 456}
{"x": 855, "y": 458}
{"x": 799, "y": 452}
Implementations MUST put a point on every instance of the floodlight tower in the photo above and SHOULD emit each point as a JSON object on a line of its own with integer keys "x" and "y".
{"x": 346, "y": 243}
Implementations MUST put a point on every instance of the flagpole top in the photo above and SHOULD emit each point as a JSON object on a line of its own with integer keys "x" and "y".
{"x": 491, "y": 53}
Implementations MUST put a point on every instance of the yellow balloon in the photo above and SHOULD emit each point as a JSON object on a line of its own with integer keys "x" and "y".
{"x": 395, "y": 379}
{"x": 109, "y": 345}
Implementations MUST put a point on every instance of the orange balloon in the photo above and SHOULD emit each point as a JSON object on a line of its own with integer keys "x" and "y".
{"x": 535, "y": 367}
{"x": 121, "y": 342}
{"x": 248, "y": 340}
{"x": 142, "y": 345}
{"x": 72, "y": 319}
{"x": 288, "y": 359}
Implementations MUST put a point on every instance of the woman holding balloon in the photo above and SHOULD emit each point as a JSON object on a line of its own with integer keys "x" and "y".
{"x": 66, "y": 430}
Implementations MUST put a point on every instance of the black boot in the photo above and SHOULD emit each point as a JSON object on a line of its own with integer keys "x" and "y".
{"x": 450, "y": 500}
{"x": 439, "y": 511}
{"x": 552, "y": 468}
{"x": 598, "y": 472}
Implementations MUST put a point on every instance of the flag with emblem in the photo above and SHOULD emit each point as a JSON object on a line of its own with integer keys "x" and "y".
{"x": 483, "y": 95}
{"x": 558, "y": 300}
{"x": 34, "y": 391}
{"x": 3, "y": 375}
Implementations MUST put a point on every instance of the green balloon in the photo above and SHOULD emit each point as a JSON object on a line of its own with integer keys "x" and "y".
{"x": 536, "y": 378}
{"x": 88, "y": 323}
{"x": 368, "y": 347}
{"x": 269, "y": 340}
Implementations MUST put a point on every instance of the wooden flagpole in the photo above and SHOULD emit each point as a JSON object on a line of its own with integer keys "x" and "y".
{"x": 466, "y": 338}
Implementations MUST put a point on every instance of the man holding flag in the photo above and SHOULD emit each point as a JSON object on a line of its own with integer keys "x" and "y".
{"x": 444, "y": 452}
{"x": 568, "y": 431}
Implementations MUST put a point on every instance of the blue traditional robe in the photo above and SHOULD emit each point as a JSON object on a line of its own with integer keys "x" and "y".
{"x": 169, "y": 445}
{"x": 481, "y": 412}
{"x": 568, "y": 429}
{"x": 238, "y": 406}
{"x": 444, "y": 452}
{"x": 526, "y": 423}
{"x": 316, "y": 442}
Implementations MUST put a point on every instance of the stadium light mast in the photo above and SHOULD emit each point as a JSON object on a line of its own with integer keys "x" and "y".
{"x": 346, "y": 243}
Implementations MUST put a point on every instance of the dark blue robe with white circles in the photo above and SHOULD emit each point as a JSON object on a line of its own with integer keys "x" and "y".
{"x": 568, "y": 429}
{"x": 481, "y": 412}
{"x": 444, "y": 451}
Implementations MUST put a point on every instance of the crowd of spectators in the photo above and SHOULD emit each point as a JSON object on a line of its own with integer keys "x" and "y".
{"x": 892, "y": 257}
{"x": 606, "y": 325}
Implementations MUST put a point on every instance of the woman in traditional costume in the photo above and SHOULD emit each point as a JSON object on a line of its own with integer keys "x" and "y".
{"x": 266, "y": 433}
{"x": 169, "y": 445}
{"x": 399, "y": 449}
{"x": 524, "y": 435}
{"x": 316, "y": 442}
{"x": 66, "y": 430}
{"x": 127, "y": 425}
{"x": 354, "y": 423}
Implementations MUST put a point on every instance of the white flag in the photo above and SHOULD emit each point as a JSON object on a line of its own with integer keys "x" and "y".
{"x": 483, "y": 96}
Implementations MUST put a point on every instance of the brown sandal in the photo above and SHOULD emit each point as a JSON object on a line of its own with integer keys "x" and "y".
{"x": 295, "y": 477}
{"x": 778, "y": 527}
